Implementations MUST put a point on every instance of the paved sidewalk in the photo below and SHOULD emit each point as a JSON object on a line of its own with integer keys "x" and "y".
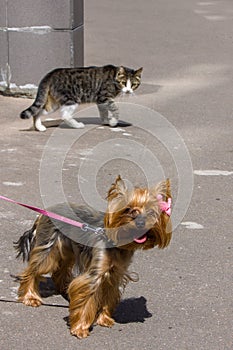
{"x": 183, "y": 299}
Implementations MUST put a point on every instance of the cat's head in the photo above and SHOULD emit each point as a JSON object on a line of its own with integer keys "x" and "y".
{"x": 128, "y": 79}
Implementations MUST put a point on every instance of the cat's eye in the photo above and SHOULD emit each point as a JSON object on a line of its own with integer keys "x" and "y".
{"x": 134, "y": 85}
{"x": 137, "y": 78}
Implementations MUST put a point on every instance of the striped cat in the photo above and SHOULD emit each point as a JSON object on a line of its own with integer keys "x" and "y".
{"x": 66, "y": 88}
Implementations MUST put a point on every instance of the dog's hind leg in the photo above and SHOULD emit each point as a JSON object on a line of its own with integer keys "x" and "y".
{"x": 63, "y": 275}
{"x": 42, "y": 261}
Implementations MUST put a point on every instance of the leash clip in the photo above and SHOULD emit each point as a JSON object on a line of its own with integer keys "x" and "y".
{"x": 98, "y": 230}
{"x": 100, "y": 233}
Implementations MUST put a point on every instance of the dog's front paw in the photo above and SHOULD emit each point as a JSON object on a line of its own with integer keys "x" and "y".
{"x": 30, "y": 300}
{"x": 105, "y": 321}
{"x": 79, "y": 332}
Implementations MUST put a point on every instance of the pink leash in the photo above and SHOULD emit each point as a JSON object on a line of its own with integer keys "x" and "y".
{"x": 164, "y": 206}
{"x": 47, "y": 213}
{"x": 99, "y": 231}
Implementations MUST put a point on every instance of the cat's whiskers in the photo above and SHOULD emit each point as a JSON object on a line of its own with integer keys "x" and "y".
{"x": 123, "y": 94}
{"x": 132, "y": 94}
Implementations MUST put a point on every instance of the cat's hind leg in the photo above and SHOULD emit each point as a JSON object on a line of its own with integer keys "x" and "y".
{"x": 50, "y": 107}
{"x": 37, "y": 122}
{"x": 67, "y": 112}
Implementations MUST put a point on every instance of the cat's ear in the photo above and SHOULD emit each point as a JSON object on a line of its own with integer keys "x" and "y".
{"x": 121, "y": 71}
{"x": 138, "y": 72}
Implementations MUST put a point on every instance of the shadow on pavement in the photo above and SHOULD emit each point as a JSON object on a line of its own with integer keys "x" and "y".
{"x": 132, "y": 310}
{"x": 128, "y": 311}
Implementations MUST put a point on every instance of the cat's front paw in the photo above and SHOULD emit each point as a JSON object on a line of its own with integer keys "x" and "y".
{"x": 72, "y": 123}
{"x": 113, "y": 122}
{"x": 40, "y": 128}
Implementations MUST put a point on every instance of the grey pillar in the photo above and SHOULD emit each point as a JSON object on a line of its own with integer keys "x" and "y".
{"x": 36, "y": 37}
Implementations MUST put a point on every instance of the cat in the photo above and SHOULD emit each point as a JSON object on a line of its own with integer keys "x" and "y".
{"x": 66, "y": 88}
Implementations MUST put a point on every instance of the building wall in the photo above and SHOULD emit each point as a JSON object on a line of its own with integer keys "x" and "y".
{"x": 36, "y": 37}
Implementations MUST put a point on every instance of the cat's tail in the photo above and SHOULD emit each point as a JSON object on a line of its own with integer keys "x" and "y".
{"x": 39, "y": 103}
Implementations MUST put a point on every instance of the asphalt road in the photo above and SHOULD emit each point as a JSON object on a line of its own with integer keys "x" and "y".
{"x": 181, "y": 128}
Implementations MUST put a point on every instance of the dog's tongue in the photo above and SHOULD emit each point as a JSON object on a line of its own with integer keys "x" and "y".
{"x": 141, "y": 239}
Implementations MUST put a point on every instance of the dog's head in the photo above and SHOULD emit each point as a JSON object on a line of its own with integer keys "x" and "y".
{"x": 139, "y": 219}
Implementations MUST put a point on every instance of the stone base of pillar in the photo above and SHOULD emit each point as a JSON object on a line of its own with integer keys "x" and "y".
{"x": 36, "y": 37}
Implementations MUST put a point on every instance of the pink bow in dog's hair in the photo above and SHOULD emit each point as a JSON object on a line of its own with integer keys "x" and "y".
{"x": 165, "y": 206}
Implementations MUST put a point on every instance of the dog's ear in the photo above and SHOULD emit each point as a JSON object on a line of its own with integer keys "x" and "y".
{"x": 163, "y": 189}
{"x": 168, "y": 189}
{"x": 116, "y": 201}
{"x": 163, "y": 192}
{"x": 120, "y": 185}
{"x": 117, "y": 189}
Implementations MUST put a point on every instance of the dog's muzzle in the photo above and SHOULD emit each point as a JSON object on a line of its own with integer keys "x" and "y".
{"x": 140, "y": 221}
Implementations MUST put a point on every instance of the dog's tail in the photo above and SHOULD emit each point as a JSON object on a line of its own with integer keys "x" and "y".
{"x": 25, "y": 243}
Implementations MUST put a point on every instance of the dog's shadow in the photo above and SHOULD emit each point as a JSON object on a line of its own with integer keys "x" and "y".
{"x": 47, "y": 288}
{"x": 132, "y": 310}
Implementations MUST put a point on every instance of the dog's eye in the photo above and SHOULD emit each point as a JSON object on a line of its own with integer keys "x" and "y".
{"x": 150, "y": 212}
{"x": 127, "y": 211}
{"x": 134, "y": 213}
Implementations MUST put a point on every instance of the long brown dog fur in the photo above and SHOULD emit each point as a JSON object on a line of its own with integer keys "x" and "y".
{"x": 133, "y": 220}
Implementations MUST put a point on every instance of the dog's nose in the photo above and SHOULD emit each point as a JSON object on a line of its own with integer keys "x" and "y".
{"x": 140, "y": 221}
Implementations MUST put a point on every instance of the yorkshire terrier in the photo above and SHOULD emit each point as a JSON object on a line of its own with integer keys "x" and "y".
{"x": 94, "y": 271}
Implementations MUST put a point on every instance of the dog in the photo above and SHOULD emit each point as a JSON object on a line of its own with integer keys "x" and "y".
{"x": 92, "y": 269}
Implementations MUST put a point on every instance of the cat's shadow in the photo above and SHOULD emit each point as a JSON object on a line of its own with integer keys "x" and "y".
{"x": 129, "y": 310}
{"x": 86, "y": 121}
{"x": 93, "y": 121}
